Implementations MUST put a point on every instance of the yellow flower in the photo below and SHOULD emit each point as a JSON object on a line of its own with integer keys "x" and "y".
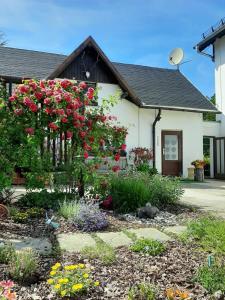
{"x": 96, "y": 283}
{"x": 63, "y": 280}
{"x": 85, "y": 275}
{"x": 52, "y": 273}
{"x": 81, "y": 266}
{"x": 57, "y": 286}
{"x": 77, "y": 287}
{"x": 56, "y": 266}
{"x": 50, "y": 281}
{"x": 71, "y": 267}
{"x": 63, "y": 293}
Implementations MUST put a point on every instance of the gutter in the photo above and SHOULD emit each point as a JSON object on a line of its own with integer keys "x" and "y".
{"x": 157, "y": 119}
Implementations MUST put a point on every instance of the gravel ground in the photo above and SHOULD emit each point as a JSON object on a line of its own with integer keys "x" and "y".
{"x": 175, "y": 268}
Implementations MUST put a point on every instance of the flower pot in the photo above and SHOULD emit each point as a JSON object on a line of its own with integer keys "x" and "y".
{"x": 191, "y": 173}
{"x": 199, "y": 174}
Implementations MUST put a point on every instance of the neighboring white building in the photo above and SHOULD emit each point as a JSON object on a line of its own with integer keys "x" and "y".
{"x": 213, "y": 46}
{"x": 160, "y": 107}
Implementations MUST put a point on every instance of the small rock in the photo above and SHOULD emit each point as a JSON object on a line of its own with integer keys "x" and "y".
{"x": 219, "y": 295}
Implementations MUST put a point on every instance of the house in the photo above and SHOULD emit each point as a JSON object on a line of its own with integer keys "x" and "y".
{"x": 160, "y": 107}
{"x": 212, "y": 45}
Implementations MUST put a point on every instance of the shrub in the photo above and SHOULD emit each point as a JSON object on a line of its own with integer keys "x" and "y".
{"x": 90, "y": 218}
{"x": 164, "y": 190}
{"x": 24, "y": 266}
{"x": 24, "y": 216}
{"x": 142, "y": 291}
{"x": 135, "y": 190}
{"x": 146, "y": 168}
{"x": 7, "y": 252}
{"x": 69, "y": 209}
{"x": 151, "y": 247}
{"x": 70, "y": 280}
{"x": 104, "y": 252}
{"x": 209, "y": 232}
{"x": 212, "y": 278}
{"x": 128, "y": 192}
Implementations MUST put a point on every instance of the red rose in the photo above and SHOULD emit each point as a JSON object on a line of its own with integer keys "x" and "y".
{"x": 82, "y": 118}
{"x": 33, "y": 107}
{"x": 82, "y": 134}
{"x": 53, "y": 126}
{"x": 58, "y": 98}
{"x": 117, "y": 157}
{"x": 69, "y": 134}
{"x": 69, "y": 111}
{"x": 18, "y": 111}
{"x": 115, "y": 168}
{"x": 29, "y": 130}
{"x": 60, "y": 112}
{"x": 82, "y": 85}
{"x": 67, "y": 97}
{"x": 49, "y": 93}
{"x": 85, "y": 155}
{"x": 23, "y": 89}
{"x": 38, "y": 95}
{"x": 75, "y": 88}
{"x": 65, "y": 83}
{"x": 12, "y": 98}
{"x": 64, "y": 120}
{"x": 123, "y": 147}
{"x": 47, "y": 101}
{"x": 86, "y": 147}
{"x": 27, "y": 101}
{"x": 48, "y": 111}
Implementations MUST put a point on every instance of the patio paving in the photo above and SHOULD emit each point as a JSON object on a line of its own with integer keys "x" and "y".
{"x": 177, "y": 230}
{"x": 75, "y": 242}
{"x": 208, "y": 196}
{"x": 150, "y": 233}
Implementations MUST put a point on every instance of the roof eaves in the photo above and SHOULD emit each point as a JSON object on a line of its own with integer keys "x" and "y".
{"x": 177, "y": 108}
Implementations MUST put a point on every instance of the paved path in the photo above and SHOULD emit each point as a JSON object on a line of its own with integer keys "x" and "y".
{"x": 208, "y": 196}
{"x": 75, "y": 242}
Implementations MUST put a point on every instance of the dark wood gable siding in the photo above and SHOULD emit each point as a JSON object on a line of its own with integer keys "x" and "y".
{"x": 89, "y": 60}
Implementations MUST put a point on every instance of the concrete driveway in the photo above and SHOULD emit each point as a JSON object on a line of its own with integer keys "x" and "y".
{"x": 208, "y": 196}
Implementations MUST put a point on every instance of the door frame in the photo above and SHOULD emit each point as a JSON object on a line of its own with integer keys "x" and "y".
{"x": 179, "y": 133}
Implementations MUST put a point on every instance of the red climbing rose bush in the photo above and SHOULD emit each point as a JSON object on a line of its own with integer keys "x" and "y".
{"x": 59, "y": 128}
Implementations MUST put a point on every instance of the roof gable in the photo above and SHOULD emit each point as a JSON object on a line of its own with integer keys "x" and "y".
{"x": 78, "y": 52}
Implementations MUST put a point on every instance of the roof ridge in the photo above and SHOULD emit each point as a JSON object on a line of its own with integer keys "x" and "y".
{"x": 143, "y": 66}
{"x": 30, "y": 50}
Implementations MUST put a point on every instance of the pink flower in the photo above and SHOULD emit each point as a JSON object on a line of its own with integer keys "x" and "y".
{"x": 53, "y": 126}
{"x": 33, "y": 107}
{"x": 27, "y": 101}
{"x": 7, "y": 284}
{"x": 12, "y": 98}
{"x": 23, "y": 89}
{"x": 29, "y": 130}
{"x": 65, "y": 83}
{"x": 82, "y": 85}
{"x": 47, "y": 101}
{"x": 18, "y": 111}
{"x": 38, "y": 95}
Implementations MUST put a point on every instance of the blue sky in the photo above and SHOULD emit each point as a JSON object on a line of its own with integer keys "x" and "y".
{"x": 130, "y": 31}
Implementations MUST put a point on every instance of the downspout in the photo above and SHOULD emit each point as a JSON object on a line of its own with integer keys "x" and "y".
{"x": 158, "y": 117}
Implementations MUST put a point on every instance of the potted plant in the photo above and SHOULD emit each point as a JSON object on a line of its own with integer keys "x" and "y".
{"x": 199, "y": 169}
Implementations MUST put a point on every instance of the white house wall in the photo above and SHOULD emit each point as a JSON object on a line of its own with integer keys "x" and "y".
{"x": 211, "y": 128}
{"x": 139, "y": 122}
{"x": 219, "y": 47}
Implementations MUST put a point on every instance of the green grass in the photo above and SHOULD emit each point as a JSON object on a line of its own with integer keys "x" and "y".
{"x": 142, "y": 291}
{"x": 212, "y": 278}
{"x": 7, "y": 252}
{"x": 208, "y": 233}
{"x": 102, "y": 251}
{"x": 148, "y": 246}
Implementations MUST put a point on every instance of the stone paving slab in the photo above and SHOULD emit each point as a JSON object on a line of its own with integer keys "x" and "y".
{"x": 115, "y": 239}
{"x": 75, "y": 242}
{"x": 175, "y": 229}
{"x": 150, "y": 233}
{"x": 41, "y": 245}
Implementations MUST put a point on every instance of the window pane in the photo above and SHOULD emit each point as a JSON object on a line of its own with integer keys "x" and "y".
{"x": 171, "y": 147}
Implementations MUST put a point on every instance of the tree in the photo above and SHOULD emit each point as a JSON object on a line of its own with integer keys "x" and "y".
{"x": 210, "y": 116}
{"x": 2, "y": 39}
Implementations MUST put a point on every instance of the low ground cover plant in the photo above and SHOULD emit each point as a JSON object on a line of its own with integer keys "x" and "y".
{"x": 209, "y": 233}
{"x": 71, "y": 280}
{"x": 176, "y": 294}
{"x": 24, "y": 216}
{"x": 142, "y": 291}
{"x": 148, "y": 246}
{"x": 24, "y": 266}
{"x": 102, "y": 251}
{"x": 136, "y": 189}
{"x": 90, "y": 218}
{"x": 212, "y": 278}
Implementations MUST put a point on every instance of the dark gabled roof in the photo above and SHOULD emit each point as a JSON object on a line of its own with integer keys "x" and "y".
{"x": 159, "y": 87}
{"x": 147, "y": 86}
{"x": 209, "y": 37}
{"x": 28, "y": 63}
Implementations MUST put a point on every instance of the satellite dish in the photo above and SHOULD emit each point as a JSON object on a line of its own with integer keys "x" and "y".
{"x": 176, "y": 56}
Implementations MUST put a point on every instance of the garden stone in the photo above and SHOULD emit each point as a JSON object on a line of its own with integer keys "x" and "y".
{"x": 178, "y": 230}
{"x": 150, "y": 233}
{"x": 41, "y": 245}
{"x": 115, "y": 239}
{"x": 219, "y": 295}
{"x": 148, "y": 211}
{"x": 75, "y": 242}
